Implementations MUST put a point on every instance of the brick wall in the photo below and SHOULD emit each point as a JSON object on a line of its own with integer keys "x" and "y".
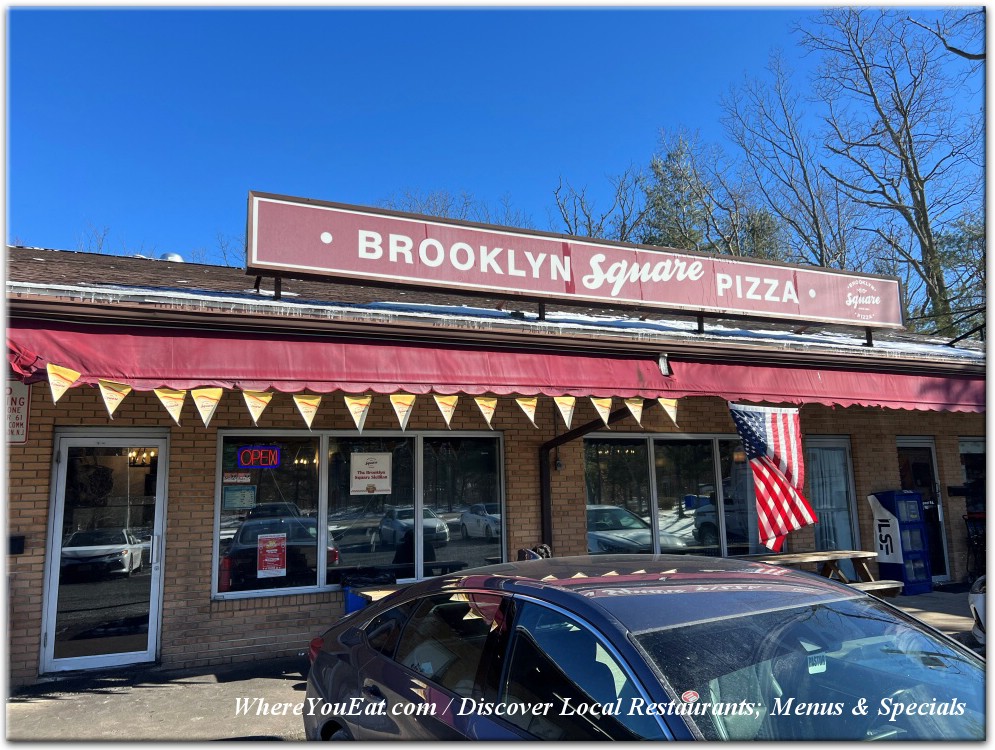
{"x": 198, "y": 631}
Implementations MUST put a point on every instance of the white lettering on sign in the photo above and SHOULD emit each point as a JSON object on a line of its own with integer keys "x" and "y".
{"x": 756, "y": 288}
{"x": 622, "y": 272}
{"x": 18, "y": 400}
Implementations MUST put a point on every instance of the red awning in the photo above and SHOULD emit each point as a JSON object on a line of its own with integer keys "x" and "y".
{"x": 796, "y": 385}
{"x": 147, "y": 358}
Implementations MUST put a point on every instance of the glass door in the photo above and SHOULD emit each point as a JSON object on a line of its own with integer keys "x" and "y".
{"x": 104, "y": 571}
{"x": 917, "y": 469}
{"x": 831, "y": 493}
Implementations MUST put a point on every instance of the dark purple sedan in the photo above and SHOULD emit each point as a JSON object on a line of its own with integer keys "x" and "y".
{"x": 639, "y": 647}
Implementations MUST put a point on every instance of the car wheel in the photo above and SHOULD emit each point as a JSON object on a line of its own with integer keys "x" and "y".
{"x": 375, "y": 540}
{"x": 709, "y": 536}
{"x": 488, "y": 535}
{"x": 464, "y": 532}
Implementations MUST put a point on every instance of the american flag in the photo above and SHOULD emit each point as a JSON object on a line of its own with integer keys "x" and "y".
{"x": 773, "y": 442}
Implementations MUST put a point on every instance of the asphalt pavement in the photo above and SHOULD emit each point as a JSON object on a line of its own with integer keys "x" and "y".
{"x": 253, "y": 701}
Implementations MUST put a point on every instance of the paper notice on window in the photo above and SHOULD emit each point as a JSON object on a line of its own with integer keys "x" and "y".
{"x": 370, "y": 474}
{"x": 271, "y": 555}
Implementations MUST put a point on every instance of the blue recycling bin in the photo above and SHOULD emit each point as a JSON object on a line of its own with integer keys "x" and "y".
{"x": 902, "y": 540}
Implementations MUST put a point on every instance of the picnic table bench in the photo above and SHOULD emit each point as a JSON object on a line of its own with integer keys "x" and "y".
{"x": 829, "y": 566}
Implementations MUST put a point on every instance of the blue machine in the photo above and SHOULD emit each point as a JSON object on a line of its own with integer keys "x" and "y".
{"x": 901, "y": 539}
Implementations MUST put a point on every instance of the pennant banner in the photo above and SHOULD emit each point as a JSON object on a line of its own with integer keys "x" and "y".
{"x": 773, "y": 442}
{"x": 528, "y": 404}
{"x": 359, "y": 407}
{"x": 604, "y": 407}
{"x": 566, "y": 405}
{"x": 447, "y": 405}
{"x": 403, "y": 404}
{"x": 59, "y": 380}
{"x": 307, "y": 405}
{"x": 487, "y": 406}
{"x": 172, "y": 400}
{"x": 670, "y": 406}
{"x": 113, "y": 394}
{"x": 256, "y": 401}
{"x": 206, "y": 400}
{"x": 636, "y": 407}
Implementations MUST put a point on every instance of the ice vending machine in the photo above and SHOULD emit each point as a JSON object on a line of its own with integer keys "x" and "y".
{"x": 901, "y": 540}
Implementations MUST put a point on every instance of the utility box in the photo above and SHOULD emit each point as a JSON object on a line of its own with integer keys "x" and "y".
{"x": 901, "y": 539}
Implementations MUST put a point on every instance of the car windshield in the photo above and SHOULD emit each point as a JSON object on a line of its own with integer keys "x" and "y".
{"x": 842, "y": 670}
{"x": 96, "y": 538}
{"x": 407, "y": 513}
{"x": 613, "y": 519}
{"x": 492, "y": 509}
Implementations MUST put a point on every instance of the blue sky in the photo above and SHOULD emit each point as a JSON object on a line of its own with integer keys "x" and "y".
{"x": 155, "y": 124}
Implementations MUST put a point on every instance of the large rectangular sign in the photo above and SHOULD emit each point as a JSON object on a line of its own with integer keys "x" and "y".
{"x": 297, "y": 237}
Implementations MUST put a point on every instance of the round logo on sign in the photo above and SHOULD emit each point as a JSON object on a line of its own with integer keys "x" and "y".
{"x": 371, "y": 488}
{"x": 690, "y": 696}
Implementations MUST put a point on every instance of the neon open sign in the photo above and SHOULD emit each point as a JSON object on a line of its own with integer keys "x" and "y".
{"x": 259, "y": 457}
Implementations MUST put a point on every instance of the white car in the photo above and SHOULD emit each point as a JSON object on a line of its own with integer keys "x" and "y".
{"x": 101, "y": 551}
{"x": 976, "y": 601}
{"x": 481, "y": 520}
{"x": 396, "y": 522}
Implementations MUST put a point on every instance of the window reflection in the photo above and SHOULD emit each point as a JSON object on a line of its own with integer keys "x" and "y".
{"x": 686, "y": 496}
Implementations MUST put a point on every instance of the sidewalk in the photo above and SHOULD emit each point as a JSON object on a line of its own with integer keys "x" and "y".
{"x": 153, "y": 704}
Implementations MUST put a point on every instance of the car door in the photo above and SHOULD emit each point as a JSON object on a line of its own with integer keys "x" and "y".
{"x": 428, "y": 688}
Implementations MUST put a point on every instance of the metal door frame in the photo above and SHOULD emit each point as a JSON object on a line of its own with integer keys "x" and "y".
{"x": 64, "y": 439}
{"x": 927, "y": 441}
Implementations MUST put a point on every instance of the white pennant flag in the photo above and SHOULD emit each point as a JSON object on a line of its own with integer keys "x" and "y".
{"x": 256, "y": 401}
{"x": 487, "y": 406}
{"x": 670, "y": 406}
{"x": 404, "y": 404}
{"x": 447, "y": 405}
{"x": 172, "y": 400}
{"x": 206, "y": 400}
{"x": 604, "y": 407}
{"x": 307, "y": 405}
{"x": 566, "y": 405}
{"x": 636, "y": 408}
{"x": 60, "y": 379}
{"x": 113, "y": 394}
{"x": 528, "y": 404}
{"x": 359, "y": 407}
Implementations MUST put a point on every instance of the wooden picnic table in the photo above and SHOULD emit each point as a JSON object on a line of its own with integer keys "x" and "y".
{"x": 829, "y": 567}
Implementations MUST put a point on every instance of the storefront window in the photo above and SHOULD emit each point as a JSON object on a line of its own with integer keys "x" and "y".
{"x": 268, "y": 534}
{"x": 691, "y": 512}
{"x": 972, "y": 461}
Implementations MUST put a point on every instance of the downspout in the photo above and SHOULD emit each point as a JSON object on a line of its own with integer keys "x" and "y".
{"x": 545, "y": 479}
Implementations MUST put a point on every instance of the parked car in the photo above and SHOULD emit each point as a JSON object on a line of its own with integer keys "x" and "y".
{"x": 398, "y": 521}
{"x": 270, "y": 510}
{"x": 111, "y": 551}
{"x": 244, "y": 565}
{"x": 738, "y": 519}
{"x": 976, "y": 602}
{"x": 639, "y": 646}
{"x": 613, "y": 529}
{"x": 481, "y": 520}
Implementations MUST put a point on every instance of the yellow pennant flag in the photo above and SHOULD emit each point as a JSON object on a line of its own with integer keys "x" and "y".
{"x": 206, "y": 400}
{"x": 566, "y": 405}
{"x": 487, "y": 406}
{"x": 670, "y": 406}
{"x": 113, "y": 394}
{"x": 59, "y": 380}
{"x": 172, "y": 400}
{"x": 636, "y": 407}
{"x": 257, "y": 401}
{"x": 359, "y": 407}
{"x": 447, "y": 405}
{"x": 404, "y": 404}
{"x": 307, "y": 405}
{"x": 528, "y": 404}
{"x": 604, "y": 407}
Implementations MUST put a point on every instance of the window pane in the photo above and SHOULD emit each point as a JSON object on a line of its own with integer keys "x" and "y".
{"x": 268, "y": 535}
{"x": 618, "y": 497}
{"x": 555, "y": 660}
{"x": 463, "y": 491}
{"x": 739, "y": 502}
{"x": 368, "y": 519}
{"x": 686, "y": 496}
{"x": 827, "y": 469}
{"x": 447, "y": 638}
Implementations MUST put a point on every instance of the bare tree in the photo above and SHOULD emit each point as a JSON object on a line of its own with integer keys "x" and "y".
{"x": 957, "y": 30}
{"x": 463, "y": 206}
{"x": 622, "y": 220}
{"x": 92, "y": 239}
{"x": 903, "y": 146}
{"x": 784, "y": 164}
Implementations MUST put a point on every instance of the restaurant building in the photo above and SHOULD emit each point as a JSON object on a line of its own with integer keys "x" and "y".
{"x": 200, "y": 457}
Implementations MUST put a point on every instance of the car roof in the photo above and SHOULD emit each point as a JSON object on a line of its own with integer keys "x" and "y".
{"x": 650, "y": 592}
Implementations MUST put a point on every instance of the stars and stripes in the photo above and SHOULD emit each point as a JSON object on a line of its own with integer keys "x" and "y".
{"x": 772, "y": 438}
